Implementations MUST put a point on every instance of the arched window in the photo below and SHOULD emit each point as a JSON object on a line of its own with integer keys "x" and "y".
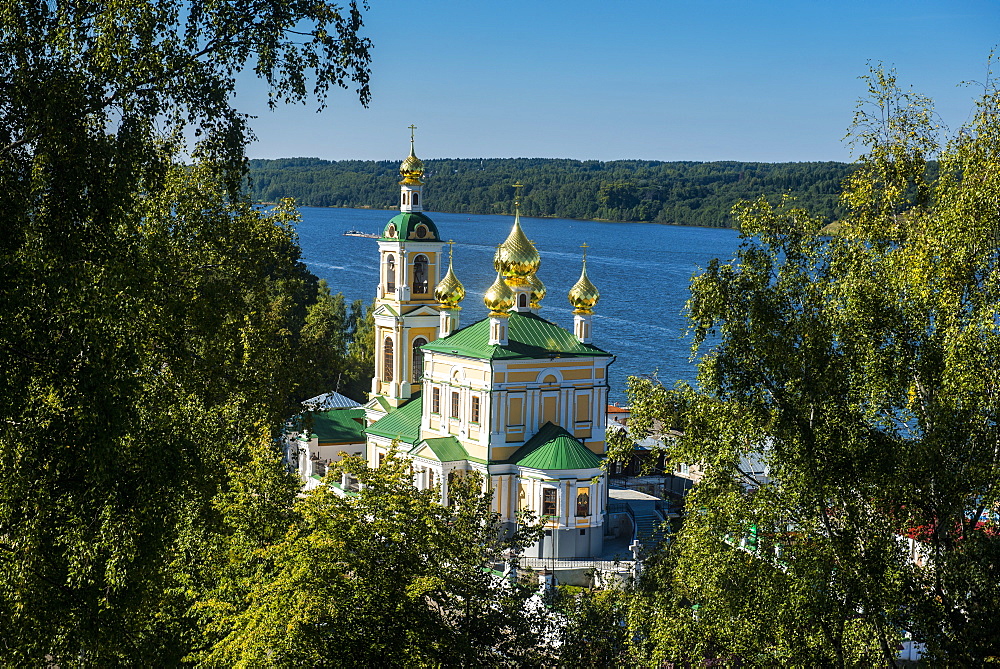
{"x": 522, "y": 300}
{"x": 416, "y": 197}
{"x": 418, "y": 359}
{"x": 390, "y": 273}
{"x": 387, "y": 360}
{"x": 420, "y": 275}
{"x": 404, "y": 197}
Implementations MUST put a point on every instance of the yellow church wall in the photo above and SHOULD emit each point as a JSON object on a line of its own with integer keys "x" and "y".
{"x": 515, "y": 419}
{"x": 550, "y": 406}
{"x": 599, "y": 373}
{"x": 577, "y": 374}
{"x": 522, "y": 377}
{"x": 427, "y": 333}
{"x": 597, "y": 447}
{"x": 539, "y": 365}
{"x": 499, "y": 377}
{"x": 504, "y": 452}
{"x": 475, "y": 450}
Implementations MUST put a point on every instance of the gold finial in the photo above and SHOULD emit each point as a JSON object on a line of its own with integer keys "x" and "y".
{"x": 450, "y": 291}
{"x": 517, "y": 258}
{"x": 538, "y": 291}
{"x": 499, "y": 298}
{"x": 583, "y": 296}
{"x": 412, "y": 168}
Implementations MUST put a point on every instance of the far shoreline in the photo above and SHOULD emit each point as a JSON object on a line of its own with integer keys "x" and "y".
{"x": 541, "y": 218}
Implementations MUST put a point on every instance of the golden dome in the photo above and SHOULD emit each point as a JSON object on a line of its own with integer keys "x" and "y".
{"x": 537, "y": 291}
{"x": 412, "y": 167}
{"x": 583, "y": 295}
{"x": 499, "y": 298}
{"x": 516, "y": 259}
{"x": 450, "y": 291}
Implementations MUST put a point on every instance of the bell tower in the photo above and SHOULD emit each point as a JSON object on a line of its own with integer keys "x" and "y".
{"x": 406, "y": 310}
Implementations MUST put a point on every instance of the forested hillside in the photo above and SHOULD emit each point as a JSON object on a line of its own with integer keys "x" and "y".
{"x": 680, "y": 193}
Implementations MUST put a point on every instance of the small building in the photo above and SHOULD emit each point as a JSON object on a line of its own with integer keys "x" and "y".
{"x": 332, "y": 426}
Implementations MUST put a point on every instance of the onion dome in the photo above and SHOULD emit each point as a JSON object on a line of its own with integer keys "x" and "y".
{"x": 537, "y": 291}
{"x": 450, "y": 291}
{"x": 583, "y": 295}
{"x": 412, "y": 168}
{"x": 517, "y": 258}
{"x": 499, "y": 298}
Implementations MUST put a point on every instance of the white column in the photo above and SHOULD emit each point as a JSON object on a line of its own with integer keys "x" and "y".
{"x": 582, "y": 327}
{"x": 498, "y": 330}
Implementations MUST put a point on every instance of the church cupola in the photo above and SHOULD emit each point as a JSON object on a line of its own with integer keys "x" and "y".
{"x": 411, "y": 187}
{"x": 583, "y": 296}
{"x": 538, "y": 291}
{"x": 449, "y": 293}
{"x": 517, "y": 259}
{"x": 499, "y": 298}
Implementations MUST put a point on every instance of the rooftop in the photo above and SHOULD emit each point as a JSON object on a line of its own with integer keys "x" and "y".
{"x": 553, "y": 448}
{"x": 529, "y": 336}
{"x": 402, "y": 424}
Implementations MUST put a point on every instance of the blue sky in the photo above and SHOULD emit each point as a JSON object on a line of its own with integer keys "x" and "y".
{"x": 671, "y": 80}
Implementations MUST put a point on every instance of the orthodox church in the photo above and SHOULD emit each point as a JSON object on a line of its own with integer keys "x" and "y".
{"x": 514, "y": 397}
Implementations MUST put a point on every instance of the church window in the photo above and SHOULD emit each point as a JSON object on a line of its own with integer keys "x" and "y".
{"x": 454, "y": 405}
{"x": 404, "y": 197}
{"x": 549, "y": 507}
{"x": 387, "y": 360}
{"x": 390, "y": 273}
{"x": 418, "y": 359}
{"x": 475, "y": 410}
{"x": 435, "y": 400}
{"x": 522, "y": 300}
{"x": 582, "y": 502}
{"x": 420, "y": 274}
{"x": 391, "y": 231}
{"x": 416, "y": 198}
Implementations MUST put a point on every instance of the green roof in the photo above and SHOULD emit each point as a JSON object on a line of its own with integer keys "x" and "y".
{"x": 528, "y": 336}
{"x": 379, "y": 401}
{"x": 402, "y": 424}
{"x": 445, "y": 449}
{"x": 554, "y": 448}
{"x": 406, "y": 225}
{"x": 339, "y": 426}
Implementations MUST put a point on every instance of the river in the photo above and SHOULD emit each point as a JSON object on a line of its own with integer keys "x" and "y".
{"x": 642, "y": 271}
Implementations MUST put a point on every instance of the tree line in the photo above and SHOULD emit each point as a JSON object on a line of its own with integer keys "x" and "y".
{"x": 674, "y": 193}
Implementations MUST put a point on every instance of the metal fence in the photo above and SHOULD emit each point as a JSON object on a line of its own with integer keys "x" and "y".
{"x": 557, "y": 564}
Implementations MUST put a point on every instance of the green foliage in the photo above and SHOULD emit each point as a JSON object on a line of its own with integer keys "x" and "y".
{"x": 863, "y": 369}
{"x": 337, "y": 347}
{"x": 150, "y": 313}
{"x": 594, "y": 631}
{"x": 676, "y": 193}
{"x": 388, "y": 576}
